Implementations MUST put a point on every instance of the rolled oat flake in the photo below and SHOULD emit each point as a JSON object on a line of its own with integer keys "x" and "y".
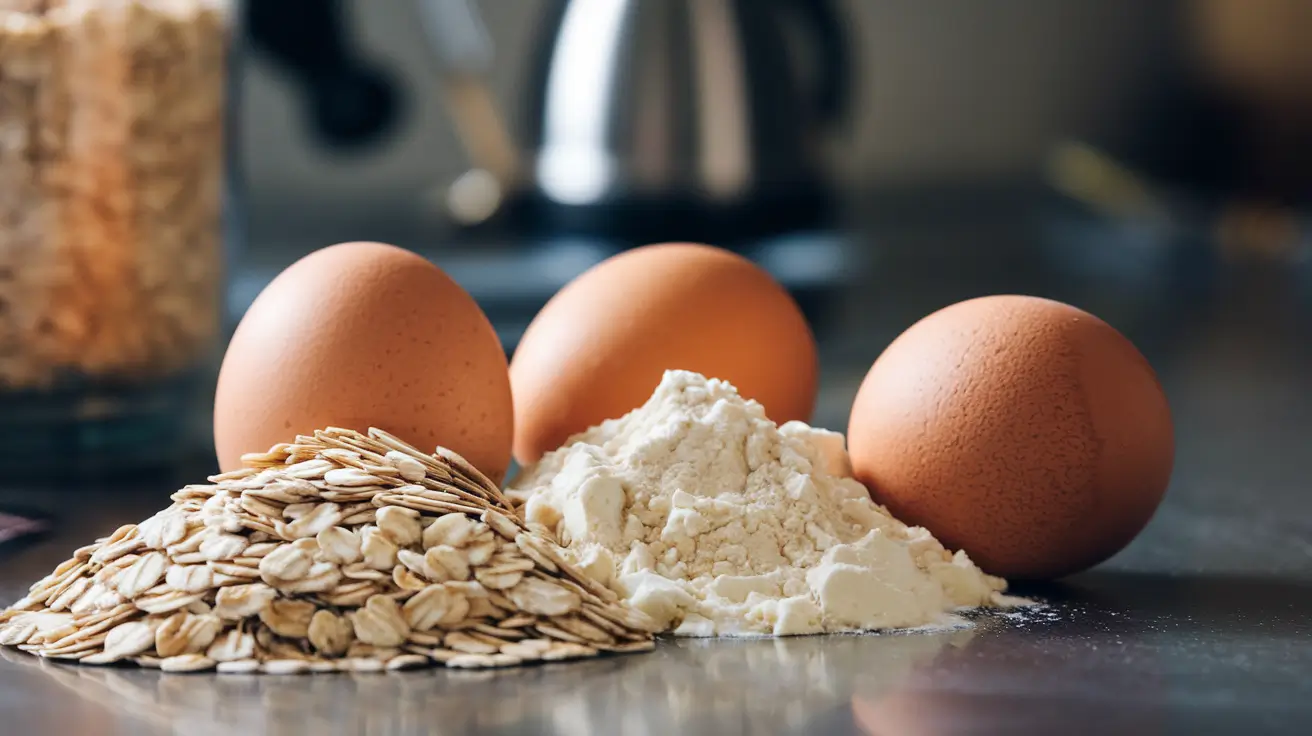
{"x": 415, "y": 560}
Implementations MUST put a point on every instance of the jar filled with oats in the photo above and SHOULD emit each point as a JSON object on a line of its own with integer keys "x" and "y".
{"x": 111, "y": 183}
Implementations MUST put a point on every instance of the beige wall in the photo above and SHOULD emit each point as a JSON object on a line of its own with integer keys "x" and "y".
{"x": 951, "y": 90}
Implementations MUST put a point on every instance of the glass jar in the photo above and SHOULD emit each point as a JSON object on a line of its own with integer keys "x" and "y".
{"x": 111, "y": 190}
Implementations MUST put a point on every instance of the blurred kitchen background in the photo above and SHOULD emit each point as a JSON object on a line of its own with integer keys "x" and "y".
{"x": 1139, "y": 159}
{"x": 1148, "y": 161}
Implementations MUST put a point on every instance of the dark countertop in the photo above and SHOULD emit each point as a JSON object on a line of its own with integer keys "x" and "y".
{"x": 1200, "y": 626}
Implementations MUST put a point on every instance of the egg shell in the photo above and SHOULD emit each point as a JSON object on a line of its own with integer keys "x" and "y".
{"x": 1027, "y": 432}
{"x": 598, "y": 349}
{"x": 359, "y": 335}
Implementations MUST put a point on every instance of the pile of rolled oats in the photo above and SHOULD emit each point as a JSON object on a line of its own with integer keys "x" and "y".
{"x": 111, "y": 177}
{"x": 336, "y": 552}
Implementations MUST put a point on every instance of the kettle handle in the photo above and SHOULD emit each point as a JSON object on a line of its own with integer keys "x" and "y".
{"x": 823, "y": 20}
{"x": 349, "y": 101}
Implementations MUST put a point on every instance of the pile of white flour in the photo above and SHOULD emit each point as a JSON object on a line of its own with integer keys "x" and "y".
{"x": 703, "y": 513}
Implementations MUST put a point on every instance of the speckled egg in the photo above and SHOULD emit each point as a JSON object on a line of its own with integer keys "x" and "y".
{"x": 598, "y": 349}
{"x": 359, "y": 335}
{"x": 1025, "y": 431}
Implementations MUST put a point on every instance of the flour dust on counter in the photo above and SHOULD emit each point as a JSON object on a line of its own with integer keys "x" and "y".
{"x": 701, "y": 512}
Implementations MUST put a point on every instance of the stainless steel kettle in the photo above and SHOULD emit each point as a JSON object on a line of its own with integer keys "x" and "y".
{"x": 660, "y": 118}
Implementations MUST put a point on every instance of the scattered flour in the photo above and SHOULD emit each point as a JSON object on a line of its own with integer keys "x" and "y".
{"x": 703, "y": 513}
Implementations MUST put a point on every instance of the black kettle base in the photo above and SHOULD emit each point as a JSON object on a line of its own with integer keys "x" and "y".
{"x": 638, "y": 220}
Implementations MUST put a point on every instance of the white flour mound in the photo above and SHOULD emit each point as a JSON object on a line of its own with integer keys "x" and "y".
{"x": 703, "y": 513}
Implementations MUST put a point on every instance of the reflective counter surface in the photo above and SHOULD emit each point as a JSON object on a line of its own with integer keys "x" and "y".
{"x": 1200, "y": 626}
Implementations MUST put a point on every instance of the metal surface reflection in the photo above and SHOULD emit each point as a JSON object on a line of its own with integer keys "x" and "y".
{"x": 686, "y": 686}
{"x": 1005, "y": 686}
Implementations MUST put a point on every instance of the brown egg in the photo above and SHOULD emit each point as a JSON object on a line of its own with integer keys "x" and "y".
{"x": 599, "y": 348}
{"x": 360, "y": 335}
{"x": 1029, "y": 433}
